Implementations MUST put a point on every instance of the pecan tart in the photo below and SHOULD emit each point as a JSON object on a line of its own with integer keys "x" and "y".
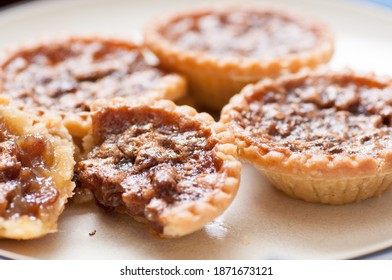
{"x": 36, "y": 168}
{"x": 66, "y": 75}
{"x": 220, "y": 50}
{"x": 164, "y": 164}
{"x": 322, "y": 137}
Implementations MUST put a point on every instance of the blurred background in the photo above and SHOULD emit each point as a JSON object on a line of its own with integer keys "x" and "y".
{"x": 3, "y": 3}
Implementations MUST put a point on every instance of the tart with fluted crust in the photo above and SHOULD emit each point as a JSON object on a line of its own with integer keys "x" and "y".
{"x": 220, "y": 50}
{"x": 66, "y": 75}
{"x": 36, "y": 170}
{"x": 322, "y": 137}
{"x": 172, "y": 167}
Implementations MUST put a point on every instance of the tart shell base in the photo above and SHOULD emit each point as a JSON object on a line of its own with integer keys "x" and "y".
{"x": 331, "y": 191}
{"x": 212, "y": 86}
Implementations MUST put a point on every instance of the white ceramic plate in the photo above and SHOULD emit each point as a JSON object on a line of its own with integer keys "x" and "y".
{"x": 262, "y": 223}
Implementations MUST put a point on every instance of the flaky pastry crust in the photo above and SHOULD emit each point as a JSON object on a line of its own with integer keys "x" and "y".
{"x": 331, "y": 178}
{"x": 59, "y": 171}
{"x": 213, "y": 79}
{"x": 217, "y": 188}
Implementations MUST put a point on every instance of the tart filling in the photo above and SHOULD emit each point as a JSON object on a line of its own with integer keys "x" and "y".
{"x": 68, "y": 75}
{"x": 317, "y": 126}
{"x": 164, "y": 163}
{"x": 220, "y": 50}
{"x": 36, "y": 167}
{"x": 258, "y": 34}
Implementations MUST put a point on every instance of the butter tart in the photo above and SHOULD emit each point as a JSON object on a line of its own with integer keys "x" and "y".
{"x": 167, "y": 165}
{"x": 220, "y": 50}
{"x": 67, "y": 74}
{"x": 36, "y": 170}
{"x": 321, "y": 137}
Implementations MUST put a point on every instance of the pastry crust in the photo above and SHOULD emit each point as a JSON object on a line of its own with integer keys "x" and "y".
{"x": 214, "y": 79}
{"x": 177, "y": 208}
{"x": 359, "y": 169}
{"x": 30, "y": 209}
{"x": 87, "y": 68}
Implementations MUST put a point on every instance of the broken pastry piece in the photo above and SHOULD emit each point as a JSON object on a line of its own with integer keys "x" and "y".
{"x": 322, "y": 137}
{"x": 168, "y": 164}
{"x": 222, "y": 49}
{"x": 36, "y": 168}
{"x": 67, "y": 75}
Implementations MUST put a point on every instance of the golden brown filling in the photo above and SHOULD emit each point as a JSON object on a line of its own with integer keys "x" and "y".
{"x": 147, "y": 160}
{"x": 26, "y": 187}
{"x": 70, "y": 76}
{"x": 262, "y": 35}
{"x": 321, "y": 114}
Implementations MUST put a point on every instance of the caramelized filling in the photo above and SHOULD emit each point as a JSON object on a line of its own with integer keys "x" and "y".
{"x": 70, "y": 76}
{"x": 321, "y": 114}
{"x": 147, "y": 160}
{"x": 25, "y": 184}
{"x": 260, "y": 35}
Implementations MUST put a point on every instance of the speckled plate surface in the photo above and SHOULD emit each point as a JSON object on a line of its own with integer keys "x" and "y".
{"x": 262, "y": 223}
